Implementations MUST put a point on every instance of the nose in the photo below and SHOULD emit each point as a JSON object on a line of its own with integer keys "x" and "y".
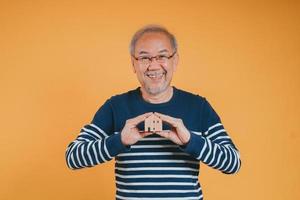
{"x": 154, "y": 64}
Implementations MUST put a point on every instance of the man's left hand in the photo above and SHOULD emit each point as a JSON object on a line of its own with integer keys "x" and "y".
{"x": 178, "y": 134}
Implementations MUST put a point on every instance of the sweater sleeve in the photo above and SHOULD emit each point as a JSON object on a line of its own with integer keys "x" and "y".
{"x": 96, "y": 143}
{"x": 212, "y": 145}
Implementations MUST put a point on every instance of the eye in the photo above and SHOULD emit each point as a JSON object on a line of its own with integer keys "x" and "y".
{"x": 162, "y": 57}
{"x": 144, "y": 59}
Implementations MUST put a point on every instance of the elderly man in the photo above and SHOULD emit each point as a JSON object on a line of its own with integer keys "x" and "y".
{"x": 160, "y": 164}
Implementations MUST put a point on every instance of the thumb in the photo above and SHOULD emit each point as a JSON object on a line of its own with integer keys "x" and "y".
{"x": 165, "y": 133}
{"x": 145, "y": 134}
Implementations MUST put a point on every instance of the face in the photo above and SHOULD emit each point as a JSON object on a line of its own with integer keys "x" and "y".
{"x": 156, "y": 77}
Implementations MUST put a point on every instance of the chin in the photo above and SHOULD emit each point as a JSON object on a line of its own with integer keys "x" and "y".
{"x": 156, "y": 90}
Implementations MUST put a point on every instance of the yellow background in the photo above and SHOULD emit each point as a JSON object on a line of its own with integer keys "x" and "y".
{"x": 60, "y": 60}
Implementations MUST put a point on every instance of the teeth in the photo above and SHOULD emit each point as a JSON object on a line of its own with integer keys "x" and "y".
{"x": 155, "y": 75}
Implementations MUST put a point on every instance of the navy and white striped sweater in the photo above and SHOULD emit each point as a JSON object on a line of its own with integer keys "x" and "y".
{"x": 154, "y": 167}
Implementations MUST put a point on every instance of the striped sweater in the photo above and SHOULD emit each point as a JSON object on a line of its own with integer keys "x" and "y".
{"x": 155, "y": 168}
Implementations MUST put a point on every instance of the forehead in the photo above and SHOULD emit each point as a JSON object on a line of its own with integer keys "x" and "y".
{"x": 153, "y": 43}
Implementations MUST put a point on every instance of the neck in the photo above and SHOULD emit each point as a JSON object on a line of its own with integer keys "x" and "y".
{"x": 162, "y": 97}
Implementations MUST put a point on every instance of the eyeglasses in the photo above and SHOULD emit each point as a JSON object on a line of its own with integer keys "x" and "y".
{"x": 146, "y": 61}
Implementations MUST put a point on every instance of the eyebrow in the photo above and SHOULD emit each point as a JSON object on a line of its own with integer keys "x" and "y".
{"x": 161, "y": 51}
{"x": 143, "y": 52}
{"x": 164, "y": 50}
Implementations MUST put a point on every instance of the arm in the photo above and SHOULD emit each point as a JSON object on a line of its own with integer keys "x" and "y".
{"x": 213, "y": 146}
{"x": 96, "y": 142}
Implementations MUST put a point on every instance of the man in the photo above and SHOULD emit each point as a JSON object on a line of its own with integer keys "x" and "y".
{"x": 163, "y": 164}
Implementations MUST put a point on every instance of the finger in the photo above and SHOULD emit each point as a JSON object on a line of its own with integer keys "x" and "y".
{"x": 165, "y": 134}
{"x": 170, "y": 135}
{"x": 170, "y": 120}
{"x": 145, "y": 134}
{"x": 136, "y": 120}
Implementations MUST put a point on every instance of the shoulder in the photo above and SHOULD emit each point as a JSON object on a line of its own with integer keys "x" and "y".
{"x": 121, "y": 97}
{"x": 189, "y": 97}
{"x": 116, "y": 102}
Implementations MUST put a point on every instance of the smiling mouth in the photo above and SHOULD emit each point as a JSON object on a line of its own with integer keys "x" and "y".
{"x": 155, "y": 75}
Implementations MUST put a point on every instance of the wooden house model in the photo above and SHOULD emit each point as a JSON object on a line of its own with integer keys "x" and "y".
{"x": 153, "y": 123}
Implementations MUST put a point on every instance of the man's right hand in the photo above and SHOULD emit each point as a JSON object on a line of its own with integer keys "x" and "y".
{"x": 130, "y": 133}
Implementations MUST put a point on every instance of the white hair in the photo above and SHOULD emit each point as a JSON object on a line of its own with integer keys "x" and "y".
{"x": 152, "y": 28}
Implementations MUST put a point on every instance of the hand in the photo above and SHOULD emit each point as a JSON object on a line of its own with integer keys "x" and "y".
{"x": 178, "y": 133}
{"x": 130, "y": 133}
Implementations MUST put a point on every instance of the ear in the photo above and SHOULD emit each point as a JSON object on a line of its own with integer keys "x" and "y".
{"x": 132, "y": 63}
{"x": 175, "y": 62}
